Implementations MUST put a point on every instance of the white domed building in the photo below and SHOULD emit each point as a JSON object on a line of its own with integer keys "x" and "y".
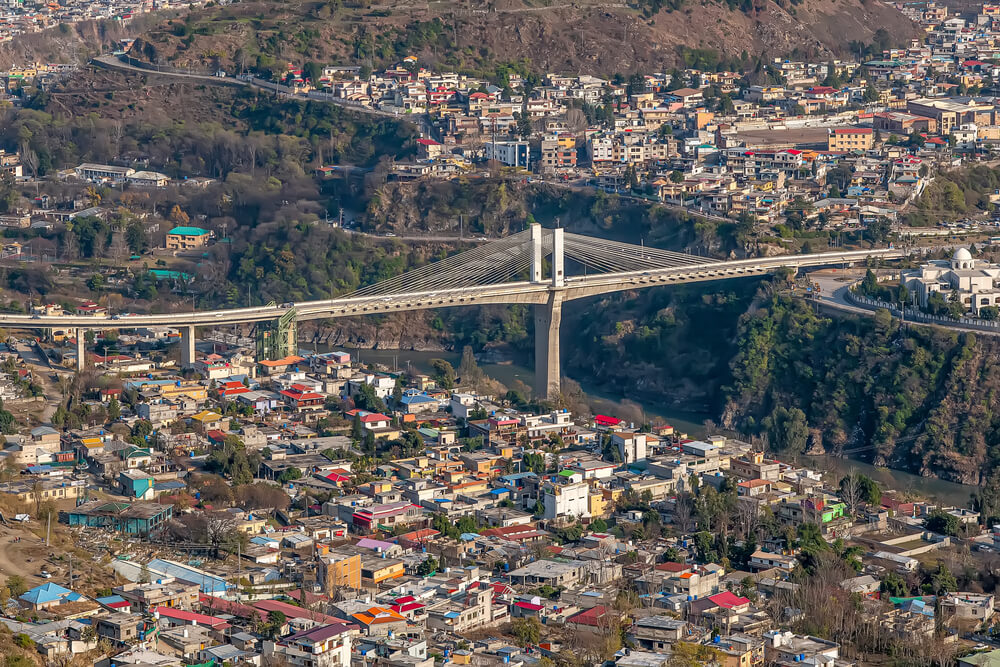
{"x": 976, "y": 281}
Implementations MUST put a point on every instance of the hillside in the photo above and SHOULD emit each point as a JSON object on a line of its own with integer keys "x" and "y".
{"x": 74, "y": 43}
{"x": 587, "y": 35}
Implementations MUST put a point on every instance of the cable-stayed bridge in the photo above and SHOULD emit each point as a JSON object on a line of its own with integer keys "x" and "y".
{"x": 542, "y": 267}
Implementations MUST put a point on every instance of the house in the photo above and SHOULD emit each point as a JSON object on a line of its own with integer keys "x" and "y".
{"x": 320, "y": 646}
{"x": 163, "y": 592}
{"x": 187, "y": 238}
{"x": 380, "y": 621}
{"x": 300, "y": 397}
{"x": 120, "y": 627}
{"x": 375, "y": 570}
{"x": 48, "y": 595}
{"x": 509, "y": 153}
{"x": 138, "y": 518}
{"x": 103, "y": 172}
{"x": 657, "y": 633}
{"x": 91, "y": 309}
{"x": 762, "y": 560}
{"x": 851, "y": 139}
{"x": 369, "y": 519}
{"x": 428, "y": 149}
{"x": 210, "y": 420}
{"x": 686, "y": 95}
{"x": 136, "y": 484}
{"x": 975, "y": 607}
{"x": 148, "y": 179}
{"x": 471, "y": 610}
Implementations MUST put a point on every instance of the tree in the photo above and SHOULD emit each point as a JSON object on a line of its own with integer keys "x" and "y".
{"x": 787, "y": 429}
{"x": 878, "y": 230}
{"x": 527, "y": 630}
{"x": 444, "y": 373}
{"x": 857, "y": 489}
{"x": 16, "y": 585}
{"x": 357, "y": 430}
{"x": 942, "y": 581}
{"x": 428, "y": 567}
{"x": 468, "y": 369}
{"x": 114, "y": 409}
{"x": 275, "y": 621}
{"x": 893, "y": 585}
{"x": 869, "y": 284}
{"x": 943, "y": 523}
{"x": 686, "y": 654}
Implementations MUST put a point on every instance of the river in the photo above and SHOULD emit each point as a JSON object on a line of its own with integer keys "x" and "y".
{"x": 937, "y": 490}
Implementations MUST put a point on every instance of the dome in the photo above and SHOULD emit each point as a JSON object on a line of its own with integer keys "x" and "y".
{"x": 962, "y": 254}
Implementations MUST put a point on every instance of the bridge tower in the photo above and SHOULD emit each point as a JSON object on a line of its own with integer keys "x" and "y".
{"x": 548, "y": 315}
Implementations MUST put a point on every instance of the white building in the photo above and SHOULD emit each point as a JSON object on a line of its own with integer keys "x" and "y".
{"x": 566, "y": 500}
{"x": 510, "y": 153}
{"x": 631, "y": 446}
{"x": 974, "y": 280}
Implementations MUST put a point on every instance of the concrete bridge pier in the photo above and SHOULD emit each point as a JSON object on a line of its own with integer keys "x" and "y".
{"x": 81, "y": 350}
{"x": 548, "y": 317}
{"x": 187, "y": 346}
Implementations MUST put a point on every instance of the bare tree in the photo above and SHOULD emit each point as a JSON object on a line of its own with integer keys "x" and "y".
{"x": 683, "y": 509}
{"x": 852, "y": 492}
{"x": 747, "y": 517}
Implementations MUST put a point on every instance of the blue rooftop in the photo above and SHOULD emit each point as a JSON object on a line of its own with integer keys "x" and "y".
{"x": 49, "y": 592}
{"x": 209, "y": 583}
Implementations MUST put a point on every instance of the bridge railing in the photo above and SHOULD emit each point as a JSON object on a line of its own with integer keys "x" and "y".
{"x": 912, "y": 315}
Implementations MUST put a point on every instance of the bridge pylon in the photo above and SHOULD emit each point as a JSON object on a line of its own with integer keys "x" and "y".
{"x": 548, "y": 315}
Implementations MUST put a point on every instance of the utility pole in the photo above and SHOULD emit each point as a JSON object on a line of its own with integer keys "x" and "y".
{"x": 48, "y": 528}
{"x": 239, "y": 569}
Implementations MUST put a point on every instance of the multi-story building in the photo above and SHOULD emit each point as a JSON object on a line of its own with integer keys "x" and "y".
{"x": 320, "y": 646}
{"x": 340, "y": 569}
{"x": 510, "y": 153}
{"x": 851, "y": 139}
{"x": 186, "y": 238}
{"x": 569, "y": 499}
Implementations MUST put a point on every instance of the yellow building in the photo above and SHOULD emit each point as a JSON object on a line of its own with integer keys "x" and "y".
{"x": 598, "y": 505}
{"x": 851, "y": 139}
{"x": 209, "y": 420}
{"x": 376, "y": 570}
{"x": 185, "y": 238}
{"x": 193, "y": 390}
{"x": 340, "y": 570}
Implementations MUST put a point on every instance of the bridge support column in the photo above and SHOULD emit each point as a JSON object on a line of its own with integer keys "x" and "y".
{"x": 548, "y": 317}
{"x": 81, "y": 350}
{"x": 187, "y": 346}
{"x": 558, "y": 270}
{"x": 536, "y": 253}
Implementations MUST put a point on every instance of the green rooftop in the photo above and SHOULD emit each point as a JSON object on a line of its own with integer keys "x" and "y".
{"x": 188, "y": 231}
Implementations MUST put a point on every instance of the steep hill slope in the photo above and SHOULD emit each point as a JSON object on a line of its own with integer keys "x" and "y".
{"x": 586, "y": 35}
